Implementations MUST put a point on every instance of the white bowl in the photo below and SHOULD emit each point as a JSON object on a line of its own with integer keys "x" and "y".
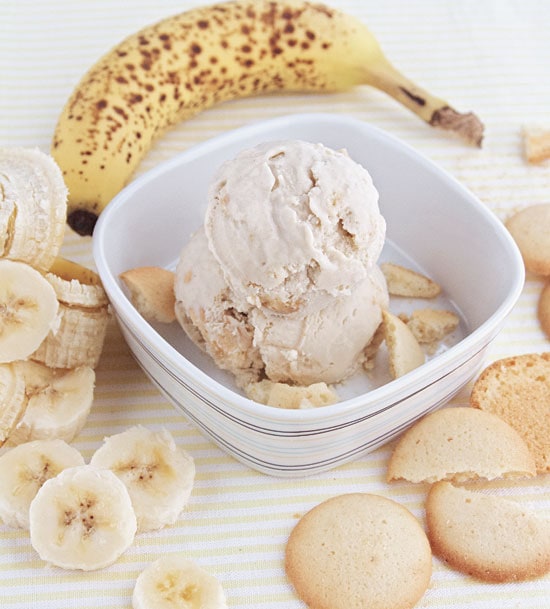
{"x": 433, "y": 224}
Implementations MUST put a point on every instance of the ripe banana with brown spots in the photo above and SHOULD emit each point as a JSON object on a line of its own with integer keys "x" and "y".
{"x": 172, "y": 70}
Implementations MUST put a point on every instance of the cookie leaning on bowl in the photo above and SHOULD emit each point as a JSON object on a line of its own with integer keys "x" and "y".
{"x": 460, "y": 444}
{"x": 530, "y": 229}
{"x": 543, "y": 309}
{"x": 517, "y": 389}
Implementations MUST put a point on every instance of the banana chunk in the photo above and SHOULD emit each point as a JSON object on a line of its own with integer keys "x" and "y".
{"x": 58, "y": 402}
{"x": 82, "y": 519}
{"x": 24, "y": 469}
{"x": 175, "y": 582}
{"x": 33, "y": 206}
{"x": 84, "y": 315}
{"x": 13, "y": 400}
{"x": 28, "y": 310}
{"x": 158, "y": 475}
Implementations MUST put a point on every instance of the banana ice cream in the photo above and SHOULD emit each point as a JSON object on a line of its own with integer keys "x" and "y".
{"x": 282, "y": 281}
{"x": 293, "y": 225}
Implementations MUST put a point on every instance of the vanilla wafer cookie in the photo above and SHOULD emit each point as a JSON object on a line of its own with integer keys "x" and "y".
{"x": 459, "y": 444}
{"x": 543, "y": 309}
{"x": 403, "y": 281}
{"x": 405, "y": 353}
{"x": 536, "y": 143}
{"x": 530, "y": 228}
{"x": 487, "y": 536}
{"x": 517, "y": 389}
{"x": 359, "y": 550}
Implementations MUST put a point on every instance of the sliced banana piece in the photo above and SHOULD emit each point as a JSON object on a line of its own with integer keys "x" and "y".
{"x": 28, "y": 310}
{"x": 58, "y": 402}
{"x": 24, "y": 469}
{"x": 82, "y": 519}
{"x": 13, "y": 400}
{"x": 175, "y": 582}
{"x": 33, "y": 200}
{"x": 159, "y": 475}
{"x": 84, "y": 315}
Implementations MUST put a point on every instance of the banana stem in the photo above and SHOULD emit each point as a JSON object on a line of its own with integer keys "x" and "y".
{"x": 435, "y": 111}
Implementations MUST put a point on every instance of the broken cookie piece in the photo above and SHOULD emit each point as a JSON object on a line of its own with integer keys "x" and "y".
{"x": 431, "y": 325}
{"x": 403, "y": 348}
{"x": 282, "y": 395}
{"x": 151, "y": 291}
{"x": 403, "y": 281}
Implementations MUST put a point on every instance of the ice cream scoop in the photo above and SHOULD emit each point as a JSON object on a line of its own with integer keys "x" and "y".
{"x": 206, "y": 311}
{"x": 326, "y": 345}
{"x": 293, "y": 225}
{"x": 282, "y": 281}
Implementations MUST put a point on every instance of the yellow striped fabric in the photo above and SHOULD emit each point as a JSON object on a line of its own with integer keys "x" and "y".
{"x": 490, "y": 56}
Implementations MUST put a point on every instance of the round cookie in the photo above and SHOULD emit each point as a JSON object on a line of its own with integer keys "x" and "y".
{"x": 530, "y": 228}
{"x": 460, "y": 443}
{"x": 543, "y": 309}
{"x": 359, "y": 550}
{"x": 487, "y": 536}
{"x": 517, "y": 389}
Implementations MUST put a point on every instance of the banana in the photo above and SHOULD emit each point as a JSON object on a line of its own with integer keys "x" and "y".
{"x": 82, "y": 519}
{"x": 24, "y": 469}
{"x": 84, "y": 315}
{"x": 172, "y": 70}
{"x": 28, "y": 310}
{"x": 159, "y": 475}
{"x": 58, "y": 402}
{"x": 175, "y": 582}
{"x": 33, "y": 206}
{"x": 13, "y": 400}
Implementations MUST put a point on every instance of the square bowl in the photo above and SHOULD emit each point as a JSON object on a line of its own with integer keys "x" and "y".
{"x": 434, "y": 225}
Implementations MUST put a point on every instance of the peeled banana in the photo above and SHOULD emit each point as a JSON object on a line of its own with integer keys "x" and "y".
{"x": 24, "y": 469}
{"x": 33, "y": 206}
{"x": 158, "y": 475}
{"x": 172, "y": 70}
{"x": 58, "y": 402}
{"x": 82, "y": 519}
{"x": 28, "y": 310}
{"x": 52, "y": 310}
{"x": 83, "y": 318}
{"x": 13, "y": 399}
{"x": 175, "y": 582}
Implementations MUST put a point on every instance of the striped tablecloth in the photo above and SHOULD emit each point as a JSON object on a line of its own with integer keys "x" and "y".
{"x": 491, "y": 56}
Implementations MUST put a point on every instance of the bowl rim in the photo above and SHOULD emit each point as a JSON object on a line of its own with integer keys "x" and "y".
{"x": 391, "y": 392}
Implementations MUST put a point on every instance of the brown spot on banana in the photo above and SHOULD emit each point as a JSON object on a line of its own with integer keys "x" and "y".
{"x": 172, "y": 70}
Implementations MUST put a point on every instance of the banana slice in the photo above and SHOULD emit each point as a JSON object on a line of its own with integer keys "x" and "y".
{"x": 84, "y": 315}
{"x": 59, "y": 402}
{"x": 159, "y": 475}
{"x": 13, "y": 400}
{"x": 24, "y": 469}
{"x": 28, "y": 310}
{"x": 175, "y": 582}
{"x": 82, "y": 519}
{"x": 33, "y": 200}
